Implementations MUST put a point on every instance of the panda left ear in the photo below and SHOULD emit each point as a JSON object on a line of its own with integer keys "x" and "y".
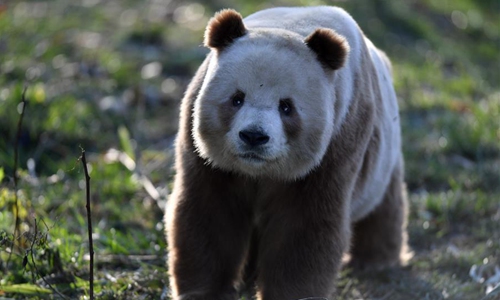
{"x": 331, "y": 48}
{"x": 226, "y": 26}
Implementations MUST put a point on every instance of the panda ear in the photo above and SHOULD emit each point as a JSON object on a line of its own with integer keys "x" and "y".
{"x": 331, "y": 48}
{"x": 226, "y": 26}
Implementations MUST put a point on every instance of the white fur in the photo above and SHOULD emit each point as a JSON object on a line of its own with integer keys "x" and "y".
{"x": 265, "y": 118}
{"x": 390, "y": 142}
{"x": 285, "y": 67}
{"x": 245, "y": 66}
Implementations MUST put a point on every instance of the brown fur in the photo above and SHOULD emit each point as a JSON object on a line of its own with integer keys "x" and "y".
{"x": 292, "y": 124}
{"x": 199, "y": 196}
{"x": 226, "y": 113}
{"x": 209, "y": 231}
{"x": 290, "y": 242}
{"x": 331, "y": 48}
{"x": 223, "y": 29}
{"x": 379, "y": 240}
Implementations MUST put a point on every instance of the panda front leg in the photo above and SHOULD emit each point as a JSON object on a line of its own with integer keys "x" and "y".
{"x": 208, "y": 232}
{"x": 300, "y": 250}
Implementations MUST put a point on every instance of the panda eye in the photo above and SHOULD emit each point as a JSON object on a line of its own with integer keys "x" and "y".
{"x": 238, "y": 98}
{"x": 285, "y": 107}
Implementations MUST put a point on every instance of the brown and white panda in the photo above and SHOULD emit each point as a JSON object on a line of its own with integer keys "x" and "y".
{"x": 288, "y": 156}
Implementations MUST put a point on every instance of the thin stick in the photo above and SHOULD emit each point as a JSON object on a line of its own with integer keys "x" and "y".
{"x": 16, "y": 155}
{"x": 89, "y": 221}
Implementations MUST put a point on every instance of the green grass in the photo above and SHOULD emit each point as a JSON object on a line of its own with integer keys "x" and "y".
{"x": 89, "y": 85}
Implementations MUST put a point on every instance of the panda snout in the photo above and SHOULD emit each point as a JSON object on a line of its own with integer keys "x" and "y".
{"x": 254, "y": 137}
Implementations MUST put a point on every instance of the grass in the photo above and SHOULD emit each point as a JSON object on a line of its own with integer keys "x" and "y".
{"x": 108, "y": 76}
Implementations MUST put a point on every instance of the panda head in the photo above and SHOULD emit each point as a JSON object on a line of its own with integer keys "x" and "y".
{"x": 266, "y": 105}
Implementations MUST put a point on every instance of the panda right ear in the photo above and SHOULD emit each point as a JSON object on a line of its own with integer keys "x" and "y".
{"x": 331, "y": 48}
{"x": 226, "y": 26}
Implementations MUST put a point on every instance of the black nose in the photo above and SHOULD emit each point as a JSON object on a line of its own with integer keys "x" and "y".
{"x": 253, "y": 138}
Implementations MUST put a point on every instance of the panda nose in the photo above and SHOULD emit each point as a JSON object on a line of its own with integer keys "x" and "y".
{"x": 254, "y": 138}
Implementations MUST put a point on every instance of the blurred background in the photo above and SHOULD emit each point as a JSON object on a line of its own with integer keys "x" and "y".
{"x": 108, "y": 76}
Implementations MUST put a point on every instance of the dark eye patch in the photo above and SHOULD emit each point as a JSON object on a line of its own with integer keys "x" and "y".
{"x": 286, "y": 106}
{"x": 238, "y": 98}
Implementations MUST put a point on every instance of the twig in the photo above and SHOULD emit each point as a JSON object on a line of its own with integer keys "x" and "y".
{"x": 89, "y": 221}
{"x": 16, "y": 154}
{"x": 36, "y": 268}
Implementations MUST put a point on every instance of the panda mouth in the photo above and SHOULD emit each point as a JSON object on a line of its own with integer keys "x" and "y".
{"x": 252, "y": 157}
